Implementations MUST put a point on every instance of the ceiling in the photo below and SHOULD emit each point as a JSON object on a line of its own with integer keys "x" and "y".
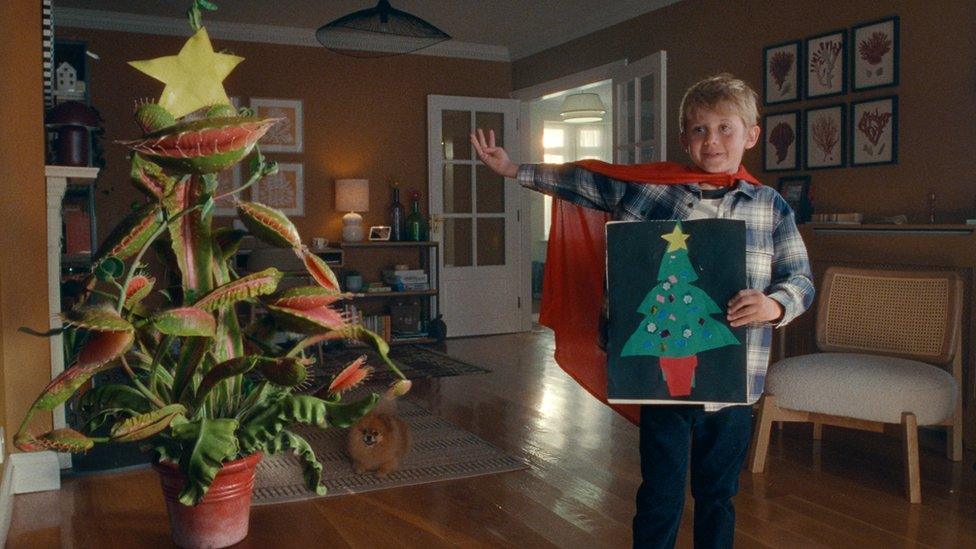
{"x": 510, "y": 29}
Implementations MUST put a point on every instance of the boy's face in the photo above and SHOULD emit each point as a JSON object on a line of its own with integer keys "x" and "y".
{"x": 717, "y": 138}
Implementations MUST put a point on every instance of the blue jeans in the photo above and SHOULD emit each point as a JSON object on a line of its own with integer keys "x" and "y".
{"x": 717, "y": 442}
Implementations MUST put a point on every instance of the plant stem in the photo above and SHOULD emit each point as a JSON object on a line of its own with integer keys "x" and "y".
{"x": 142, "y": 388}
{"x": 255, "y": 177}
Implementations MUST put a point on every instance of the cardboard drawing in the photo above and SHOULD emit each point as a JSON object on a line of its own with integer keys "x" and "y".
{"x": 669, "y": 283}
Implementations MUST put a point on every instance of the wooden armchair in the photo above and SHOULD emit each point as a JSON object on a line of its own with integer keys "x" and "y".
{"x": 880, "y": 334}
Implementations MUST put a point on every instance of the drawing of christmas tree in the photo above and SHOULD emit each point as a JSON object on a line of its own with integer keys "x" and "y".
{"x": 678, "y": 322}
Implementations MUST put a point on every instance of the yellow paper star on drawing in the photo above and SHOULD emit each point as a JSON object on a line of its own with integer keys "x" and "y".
{"x": 194, "y": 78}
{"x": 676, "y": 239}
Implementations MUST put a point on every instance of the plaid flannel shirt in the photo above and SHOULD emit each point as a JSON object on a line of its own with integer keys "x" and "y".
{"x": 776, "y": 258}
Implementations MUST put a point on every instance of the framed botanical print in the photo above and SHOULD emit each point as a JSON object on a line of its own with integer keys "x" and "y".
{"x": 286, "y": 135}
{"x": 227, "y": 180}
{"x": 781, "y": 145}
{"x": 874, "y": 131}
{"x": 824, "y": 143}
{"x": 781, "y": 75}
{"x": 874, "y": 54}
{"x": 826, "y": 64}
{"x": 284, "y": 190}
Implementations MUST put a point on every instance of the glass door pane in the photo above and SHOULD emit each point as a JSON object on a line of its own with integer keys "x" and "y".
{"x": 458, "y": 241}
{"x": 647, "y": 107}
{"x": 491, "y": 241}
{"x": 455, "y": 128}
{"x": 491, "y": 191}
{"x": 457, "y": 188}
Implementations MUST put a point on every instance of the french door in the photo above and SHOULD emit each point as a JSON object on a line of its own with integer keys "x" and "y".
{"x": 476, "y": 216}
{"x": 639, "y": 92}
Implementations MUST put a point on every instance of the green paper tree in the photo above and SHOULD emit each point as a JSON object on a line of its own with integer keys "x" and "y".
{"x": 678, "y": 322}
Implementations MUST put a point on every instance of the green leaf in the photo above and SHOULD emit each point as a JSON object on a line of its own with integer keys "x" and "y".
{"x": 344, "y": 415}
{"x": 227, "y": 369}
{"x": 311, "y": 468}
{"x": 146, "y": 425}
{"x": 211, "y": 443}
{"x": 185, "y": 321}
{"x": 113, "y": 399}
{"x": 109, "y": 268}
{"x": 252, "y": 285}
{"x": 265, "y": 425}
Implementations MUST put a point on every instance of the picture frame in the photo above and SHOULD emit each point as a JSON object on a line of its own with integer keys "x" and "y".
{"x": 795, "y": 190}
{"x": 227, "y": 180}
{"x": 781, "y": 142}
{"x": 781, "y": 75}
{"x": 874, "y": 131}
{"x": 875, "y": 48}
{"x": 825, "y": 64}
{"x": 825, "y": 143}
{"x": 286, "y": 135}
{"x": 379, "y": 232}
{"x": 284, "y": 190}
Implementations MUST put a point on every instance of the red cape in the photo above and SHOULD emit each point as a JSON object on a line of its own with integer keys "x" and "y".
{"x": 572, "y": 287}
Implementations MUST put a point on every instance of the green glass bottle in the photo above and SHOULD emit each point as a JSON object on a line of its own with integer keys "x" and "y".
{"x": 417, "y": 228}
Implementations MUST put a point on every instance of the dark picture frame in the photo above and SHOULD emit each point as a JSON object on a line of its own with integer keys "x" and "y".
{"x": 874, "y": 131}
{"x": 875, "y": 50}
{"x": 795, "y": 190}
{"x": 781, "y": 141}
{"x": 782, "y": 78}
{"x": 825, "y": 137}
{"x": 379, "y": 232}
{"x": 825, "y": 64}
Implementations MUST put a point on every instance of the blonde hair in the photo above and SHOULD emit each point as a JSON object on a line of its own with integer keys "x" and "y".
{"x": 710, "y": 92}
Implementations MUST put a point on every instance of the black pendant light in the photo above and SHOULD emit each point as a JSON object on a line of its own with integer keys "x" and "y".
{"x": 379, "y": 32}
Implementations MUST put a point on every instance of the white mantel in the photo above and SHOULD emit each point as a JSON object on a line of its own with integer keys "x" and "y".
{"x": 57, "y": 183}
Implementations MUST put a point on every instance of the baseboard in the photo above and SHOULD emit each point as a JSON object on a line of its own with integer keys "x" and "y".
{"x": 35, "y": 472}
{"x": 6, "y": 501}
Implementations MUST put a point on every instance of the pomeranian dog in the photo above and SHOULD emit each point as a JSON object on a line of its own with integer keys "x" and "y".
{"x": 377, "y": 442}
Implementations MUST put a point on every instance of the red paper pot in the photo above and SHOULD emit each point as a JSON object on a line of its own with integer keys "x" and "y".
{"x": 679, "y": 373}
{"x": 221, "y": 519}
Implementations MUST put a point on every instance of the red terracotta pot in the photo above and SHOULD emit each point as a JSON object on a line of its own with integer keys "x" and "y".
{"x": 221, "y": 518}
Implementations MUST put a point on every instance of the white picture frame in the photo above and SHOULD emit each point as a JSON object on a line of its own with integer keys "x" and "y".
{"x": 284, "y": 190}
{"x": 287, "y": 135}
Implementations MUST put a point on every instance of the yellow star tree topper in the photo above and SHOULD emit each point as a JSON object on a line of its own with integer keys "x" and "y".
{"x": 194, "y": 77}
{"x": 676, "y": 239}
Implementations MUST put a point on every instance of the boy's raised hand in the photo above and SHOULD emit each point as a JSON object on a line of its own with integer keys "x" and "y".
{"x": 752, "y": 307}
{"x": 494, "y": 157}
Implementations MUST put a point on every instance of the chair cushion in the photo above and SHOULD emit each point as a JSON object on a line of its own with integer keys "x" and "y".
{"x": 871, "y": 387}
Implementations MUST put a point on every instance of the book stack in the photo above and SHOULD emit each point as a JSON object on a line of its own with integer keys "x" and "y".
{"x": 407, "y": 280}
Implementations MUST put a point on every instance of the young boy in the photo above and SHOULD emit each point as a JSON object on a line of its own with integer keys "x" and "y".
{"x": 718, "y": 119}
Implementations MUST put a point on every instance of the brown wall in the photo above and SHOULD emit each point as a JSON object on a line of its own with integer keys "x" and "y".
{"x": 362, "y": 117}
{"x": 24, "y": 360}
{"x": 937, "y": 91}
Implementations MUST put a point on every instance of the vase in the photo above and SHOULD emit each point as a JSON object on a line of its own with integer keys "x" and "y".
{"x": 222, "y": 517}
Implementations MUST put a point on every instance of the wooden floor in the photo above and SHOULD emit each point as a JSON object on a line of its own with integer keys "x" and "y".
{"x": 845, "y": 491}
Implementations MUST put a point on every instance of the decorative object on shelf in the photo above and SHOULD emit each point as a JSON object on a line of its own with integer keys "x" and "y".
{"x": 286, "y": 135}
{"x": 874, "y": 131}
{"x": 438, "y": 329}
{"x": 417, "y": 228}
{"x": 397, "y": 221}
{"x": 781, "y": 147}
{"x": 354, "y": 281}
{"x": 319, "y": 243}
{"x": 74, "y": 122}
{"x": 352, "y": 195}
{"x": 826, "y": 64}
{"x": 796, "y": 191}
{"x": 382, "y": 31}
{"x": 781, "y": 77}
{"x": 184, "y": 394}
{"x": 825, "y": 144}
{"x": 283, "y": 190}
{"x": 580, "y": 108}
{"x": 379, "y": 232}
{"x": 874, "y": 54}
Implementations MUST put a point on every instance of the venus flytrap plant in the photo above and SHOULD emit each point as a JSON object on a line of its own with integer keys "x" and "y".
{"x": 201, "y": 388}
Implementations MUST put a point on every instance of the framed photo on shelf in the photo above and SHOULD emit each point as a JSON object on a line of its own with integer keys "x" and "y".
{"x": 874, "y": 54}
{"x": 781, "y": 74}
{"x": 227, "y": 180}
{"x": 874, "y": 131}
{"x": 826, "y": 64}
{"x": 286, "y": 135}
{"x": 284, "y": 190}
{"x": 781, "y": 145}
{"x": 796, "y": 191}
{"x": 824, "y": 144}
{"x": 379, "y": 232}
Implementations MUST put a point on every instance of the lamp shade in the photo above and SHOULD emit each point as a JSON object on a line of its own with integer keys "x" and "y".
{"x": 582, "y": 107}
{"x": 352, "y": 195}
{"x": 381, "y": 31}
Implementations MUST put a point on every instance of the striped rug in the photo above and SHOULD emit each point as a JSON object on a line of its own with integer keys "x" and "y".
{"x": 441, "y": 451}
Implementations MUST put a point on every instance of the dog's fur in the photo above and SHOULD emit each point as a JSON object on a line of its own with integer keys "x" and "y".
{"x": 377, "y": 442}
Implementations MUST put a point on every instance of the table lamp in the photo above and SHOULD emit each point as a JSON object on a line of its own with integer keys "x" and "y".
{"x": 352, "y": 195}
